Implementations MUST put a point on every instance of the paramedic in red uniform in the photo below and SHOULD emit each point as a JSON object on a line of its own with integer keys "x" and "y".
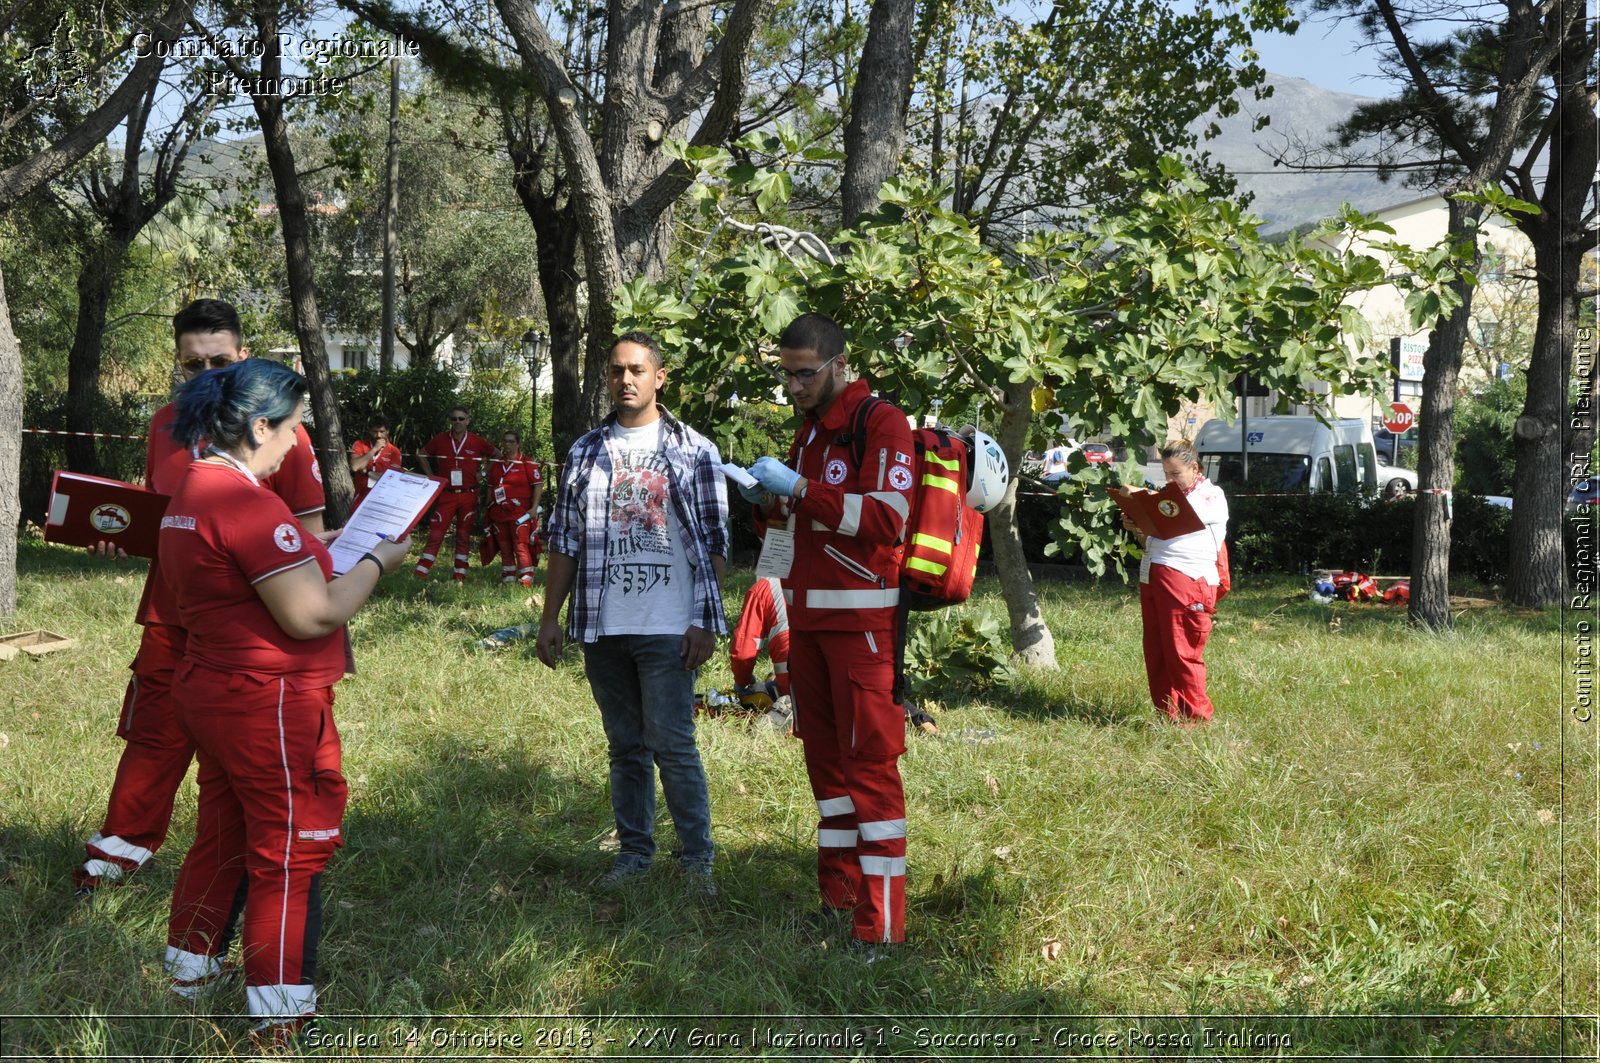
{"x": 515, "y": 483}
{"x": 1178, "y": 592}
{"x": 267, "y": 641}
{"x": 763, "y": 625}
{"x": 842, "y": 589}
{"x": 457, "y": 454}
{"x": 157, "y": 753}
{"x": 373, "y": 456}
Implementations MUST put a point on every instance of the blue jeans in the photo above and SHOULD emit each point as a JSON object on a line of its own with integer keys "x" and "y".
{"x": 646, "y": 700}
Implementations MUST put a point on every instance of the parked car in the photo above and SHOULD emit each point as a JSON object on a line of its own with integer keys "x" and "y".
{"x": 1584, "y": 493}
{"x": 1393, "y": 480}
{"x": 1098, "y": 453}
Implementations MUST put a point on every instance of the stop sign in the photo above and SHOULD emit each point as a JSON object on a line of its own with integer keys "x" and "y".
{"x": 1400, "y": 419}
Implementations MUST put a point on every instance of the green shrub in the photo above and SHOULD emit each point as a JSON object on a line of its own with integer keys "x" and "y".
{"x": 1294, "y": 533}
{"x": 417, "y": 401}
{"x": 956, "y": 646}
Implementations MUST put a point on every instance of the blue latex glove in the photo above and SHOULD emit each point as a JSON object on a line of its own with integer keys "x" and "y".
{"x": 756, "y": 495}
{"x": 775, "y": 476}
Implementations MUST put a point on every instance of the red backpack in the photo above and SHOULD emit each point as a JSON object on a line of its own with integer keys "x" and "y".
{"x": 942, "y": 532}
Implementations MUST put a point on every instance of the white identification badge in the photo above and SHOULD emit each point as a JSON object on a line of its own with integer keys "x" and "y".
{"x": 372, "y": 481}
{"x": 1144, "y": 568}
{"x": 500, "y": 495}
{"x": 777, "y": 554}
{"x": 455, "y": 477}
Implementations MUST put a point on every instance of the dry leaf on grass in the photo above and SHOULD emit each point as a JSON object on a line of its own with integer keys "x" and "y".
{"x": 1002, "y": 852}
{"x": 993, "y": 784}
{"x": 608, "y": 911}
{"x": 1051, "y": 950}
{"x": 1544, "y": 815}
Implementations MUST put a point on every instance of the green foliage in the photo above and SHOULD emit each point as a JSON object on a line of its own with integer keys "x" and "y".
{"x": 1485, "y": 423}
{"x": 418, "y": 400}
{"x": 125, "y": 415}
{"x": 956, "y": 647}
{"x": 1367, "y": 533}
{"x": 1167, "y": 299}
{"x": 1070, "y": 108}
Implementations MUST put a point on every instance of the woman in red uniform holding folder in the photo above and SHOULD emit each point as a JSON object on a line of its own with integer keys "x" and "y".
{"x": 515, "y": 483}
{"x": 1178, "y": 581}
{"x": 266, "y": 622}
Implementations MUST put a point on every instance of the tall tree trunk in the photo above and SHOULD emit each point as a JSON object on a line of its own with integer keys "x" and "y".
{"x": 555, "y": 234}
{"x": 10, "y": 454}
{"x": 877, "y": 129}
{"x": 1537, "y": 578}
{"x": 327, "y": 432}
{"x": 1436, "y": 448}
{"x": 96, "y": 281}
{"x": 1561, "y": 234}
{"x": 1031, "y": 640}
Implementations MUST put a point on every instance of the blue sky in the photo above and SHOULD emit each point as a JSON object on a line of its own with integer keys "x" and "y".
{"x": 1324, "y": 53}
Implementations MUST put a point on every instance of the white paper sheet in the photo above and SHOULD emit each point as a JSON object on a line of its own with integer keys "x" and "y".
{"x": 392, "y": 506}
{"x": 739, "y": 475}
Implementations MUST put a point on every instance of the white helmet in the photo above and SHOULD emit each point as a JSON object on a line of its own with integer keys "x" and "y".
{"x": 988, "y": 475}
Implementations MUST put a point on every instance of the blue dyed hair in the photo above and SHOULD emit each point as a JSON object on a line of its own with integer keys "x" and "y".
{"x": 220, "y": 405}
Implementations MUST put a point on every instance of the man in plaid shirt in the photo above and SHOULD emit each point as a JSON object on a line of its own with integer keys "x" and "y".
{"x": 639, "y": 539}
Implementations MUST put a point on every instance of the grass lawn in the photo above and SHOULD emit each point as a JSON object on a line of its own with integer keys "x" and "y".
{"x": 1384, "y": 846}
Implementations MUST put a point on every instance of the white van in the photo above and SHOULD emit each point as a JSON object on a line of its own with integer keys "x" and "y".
{"x": 1294, "y": 454}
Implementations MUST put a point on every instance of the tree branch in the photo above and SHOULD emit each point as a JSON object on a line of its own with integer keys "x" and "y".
{"x": 54, "y": 160}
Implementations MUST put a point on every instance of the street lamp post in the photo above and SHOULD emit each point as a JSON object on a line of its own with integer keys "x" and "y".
{"x": 533, "y": 348}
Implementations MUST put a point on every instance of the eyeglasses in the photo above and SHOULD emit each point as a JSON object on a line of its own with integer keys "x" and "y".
{"x": 801, "y": 376}
{"x": 200, "y": 365}
{"x": 458, "y": 418}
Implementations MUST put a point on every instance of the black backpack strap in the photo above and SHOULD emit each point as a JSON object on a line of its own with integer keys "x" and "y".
{"x": 902, "y": 621}
{"x": 856, "y": 438}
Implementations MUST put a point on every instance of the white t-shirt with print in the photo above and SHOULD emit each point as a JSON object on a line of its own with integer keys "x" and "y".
{"x": 649, "y": 584}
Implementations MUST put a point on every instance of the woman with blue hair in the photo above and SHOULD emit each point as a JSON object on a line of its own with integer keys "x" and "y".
{"x": 266, "y": 620}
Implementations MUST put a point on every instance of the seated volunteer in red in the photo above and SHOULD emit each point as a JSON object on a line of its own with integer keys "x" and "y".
{"x": 515, "y": 483}
{"x": 763, "y": 625}
{"x": 1178, "y": 582}
{"x": 373, "y": 456}
{"x": 254, "y": 691}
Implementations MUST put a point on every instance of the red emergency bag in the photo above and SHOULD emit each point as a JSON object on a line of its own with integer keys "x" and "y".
{"x": 940, "y": 560}
{"x": 942, "y": 531}
{"x": 1355, "y": 587}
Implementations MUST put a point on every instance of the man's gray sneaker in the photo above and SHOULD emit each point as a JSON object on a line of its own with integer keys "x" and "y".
{"x": 622, "y": 875}
{"x": 698, "y": 883}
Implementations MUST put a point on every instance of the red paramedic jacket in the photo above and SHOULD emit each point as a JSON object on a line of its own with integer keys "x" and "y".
{"x": 849, "y": 525}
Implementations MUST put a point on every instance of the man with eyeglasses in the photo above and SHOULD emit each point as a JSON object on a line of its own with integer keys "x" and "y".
{"x": 458, "y": 452}
{"x": 845, "y": 502}
{"x": 156, "y": 754}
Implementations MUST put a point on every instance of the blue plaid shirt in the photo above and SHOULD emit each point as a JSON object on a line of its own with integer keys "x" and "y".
{"x": 695, "y": 483}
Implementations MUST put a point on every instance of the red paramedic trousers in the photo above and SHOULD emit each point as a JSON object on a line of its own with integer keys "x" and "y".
{"x": 854, "y": 734}
{"x": 270, "y": 817}
{"x": 458, "y": 506}
{"x": 1177, "y": 621}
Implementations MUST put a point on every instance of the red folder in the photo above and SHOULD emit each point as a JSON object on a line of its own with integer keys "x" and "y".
{"x": 1165, "y": 514}
{"x": 85, "y": 510}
